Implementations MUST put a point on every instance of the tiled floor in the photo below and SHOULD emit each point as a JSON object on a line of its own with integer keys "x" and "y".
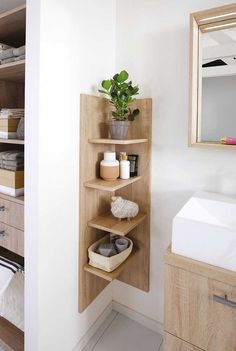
{"x": 119, "y": 333}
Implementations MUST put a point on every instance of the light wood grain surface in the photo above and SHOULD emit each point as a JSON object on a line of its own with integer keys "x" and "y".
{"x": 109, "y": 223}
{"x": 101, "y": 184}
{"x": 172, "y": 343}
{"x": 13, "y": 71}
{"x": 118, "y": 142}
{"x": 11, "y": 338}
{"x": 191, "y": 311}
{"x": 12, "y": 213}
{"x": 12, "y": 26}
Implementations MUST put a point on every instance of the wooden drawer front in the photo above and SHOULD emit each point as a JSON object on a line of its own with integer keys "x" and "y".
{"x": 172, "y": 343}
{"x": 12, "y": 214}
{"x": 12, "y": 239}
{"x": 195, "y": 310}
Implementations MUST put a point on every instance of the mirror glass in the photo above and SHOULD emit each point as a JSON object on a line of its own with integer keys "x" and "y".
{"x": 217, "y": 85}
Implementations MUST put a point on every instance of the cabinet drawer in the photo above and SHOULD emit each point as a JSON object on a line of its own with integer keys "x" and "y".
{"x": 172, "y": 343}
{"x": 12, "y": 239}
{"x": 200, "y": 310}
{"x": 12, "y": 213}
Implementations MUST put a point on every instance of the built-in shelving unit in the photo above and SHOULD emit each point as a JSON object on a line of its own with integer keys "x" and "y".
{"x": 96, "y": 219}
{"x": 12, "y": 27}
{"x": 12, "y": 95}
{"x": 118, "y": 142}
{"x": 13, "y": 71}
{"x": 112, "y": 186}
{"x": 12, "y": 141}
{"x": 112, "y": 225}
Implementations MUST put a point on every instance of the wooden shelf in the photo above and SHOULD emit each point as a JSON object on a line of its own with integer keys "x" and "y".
{"x": 12, "y": 141}
{"x": 118, "y": 142}
{"x": 11, "y": 338}
{"x": 101, "y": 184}
{"x": 111, "y": 224}
{"x": 12, "y": 26}
{"x": 13, "y": 71}
{"x": 110, "y": 276}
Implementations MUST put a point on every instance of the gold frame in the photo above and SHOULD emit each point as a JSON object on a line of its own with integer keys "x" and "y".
{"x": 200, "y": 22}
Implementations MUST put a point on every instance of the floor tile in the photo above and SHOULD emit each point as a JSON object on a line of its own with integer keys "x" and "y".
{"x": 126, "y": 335}
{"x": 92, "y": 342}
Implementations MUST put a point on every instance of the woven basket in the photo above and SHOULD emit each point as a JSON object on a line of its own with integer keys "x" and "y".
{"x": 107, "y": 264}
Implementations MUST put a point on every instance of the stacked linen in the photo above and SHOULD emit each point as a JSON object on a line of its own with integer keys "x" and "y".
{"x": 11, "y": 288}
{"x": 12, "y": 160}
{"x": 12, "y": 172}
{"x": 10, "y": 118}
{"x": 7, "y": 113}
{"x": 12, "y": 55}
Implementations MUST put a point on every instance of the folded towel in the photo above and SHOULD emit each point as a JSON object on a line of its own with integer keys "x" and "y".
{"x": 12, "y": 287}
{"x": 19, "y": 51}
{"x": 8, "y": 60}
{"x": 6, "y": 113}
{"x": 5, "y": 54}
{"x": 12, "y": 168}
{"x": 8, "y": 135}
{"x": 12, "y": 165}
{"x": 15, "y": 163}
{"x": 19, "y": 58}
{"x": 21, "y": 129}
{"x": 7, "y": 269}
{"x": 12, "y": 155}
{"x": 4, "y": 47}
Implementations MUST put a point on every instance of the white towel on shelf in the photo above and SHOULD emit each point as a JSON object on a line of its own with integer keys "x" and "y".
{"x": 8, "y": 135}
{"x": 19, "y": 58}
{"x": 19, "y": 51}
{"x": 5, "y": 54}
{"x": 6, "y": 113}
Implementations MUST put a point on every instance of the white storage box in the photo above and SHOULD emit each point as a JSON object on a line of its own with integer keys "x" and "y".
{"x": 107, "y": 264}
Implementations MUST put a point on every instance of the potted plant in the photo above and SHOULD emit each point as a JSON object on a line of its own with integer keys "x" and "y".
{"x": 121, "y": 93}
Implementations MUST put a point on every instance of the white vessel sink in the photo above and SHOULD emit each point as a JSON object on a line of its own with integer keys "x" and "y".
{"x": 205, "y": 230}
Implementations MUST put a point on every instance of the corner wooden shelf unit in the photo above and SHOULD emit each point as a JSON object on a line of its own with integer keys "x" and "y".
{"x": 12, "y": 95}
{"x": 95, "y": 197}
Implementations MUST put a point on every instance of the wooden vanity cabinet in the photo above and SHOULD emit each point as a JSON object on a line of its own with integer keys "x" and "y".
{"x": 200, "y": 306}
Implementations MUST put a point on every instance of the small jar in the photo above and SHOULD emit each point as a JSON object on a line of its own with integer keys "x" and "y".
{"x": 109, "y": 166}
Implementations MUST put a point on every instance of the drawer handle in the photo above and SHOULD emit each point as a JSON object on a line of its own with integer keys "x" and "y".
{"x": 2, "y": 208}
{"x": 3, "y": 233}
{"x": 224, "y": 301}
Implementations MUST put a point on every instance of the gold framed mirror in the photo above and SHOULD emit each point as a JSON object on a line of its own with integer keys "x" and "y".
{"x": 213, "y": 77}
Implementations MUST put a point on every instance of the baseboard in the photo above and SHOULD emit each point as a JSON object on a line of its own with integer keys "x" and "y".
{"x": 93, "y": 329}
{"x": 138, "y": 317}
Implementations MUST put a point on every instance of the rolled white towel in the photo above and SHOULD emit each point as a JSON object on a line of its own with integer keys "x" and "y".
{"x": 19, "y": 58}
{"x": 19, "y": 51}
{"x": 5, "y": 54}
{"x": 8, "y": 60}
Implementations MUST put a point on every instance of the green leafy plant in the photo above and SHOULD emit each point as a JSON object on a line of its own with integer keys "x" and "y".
{"x": 121, "y": 93}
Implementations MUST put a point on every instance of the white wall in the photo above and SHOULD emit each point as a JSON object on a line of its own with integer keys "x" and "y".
{"x": 71, "y": 47}
{"x": 153, "y": 44}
